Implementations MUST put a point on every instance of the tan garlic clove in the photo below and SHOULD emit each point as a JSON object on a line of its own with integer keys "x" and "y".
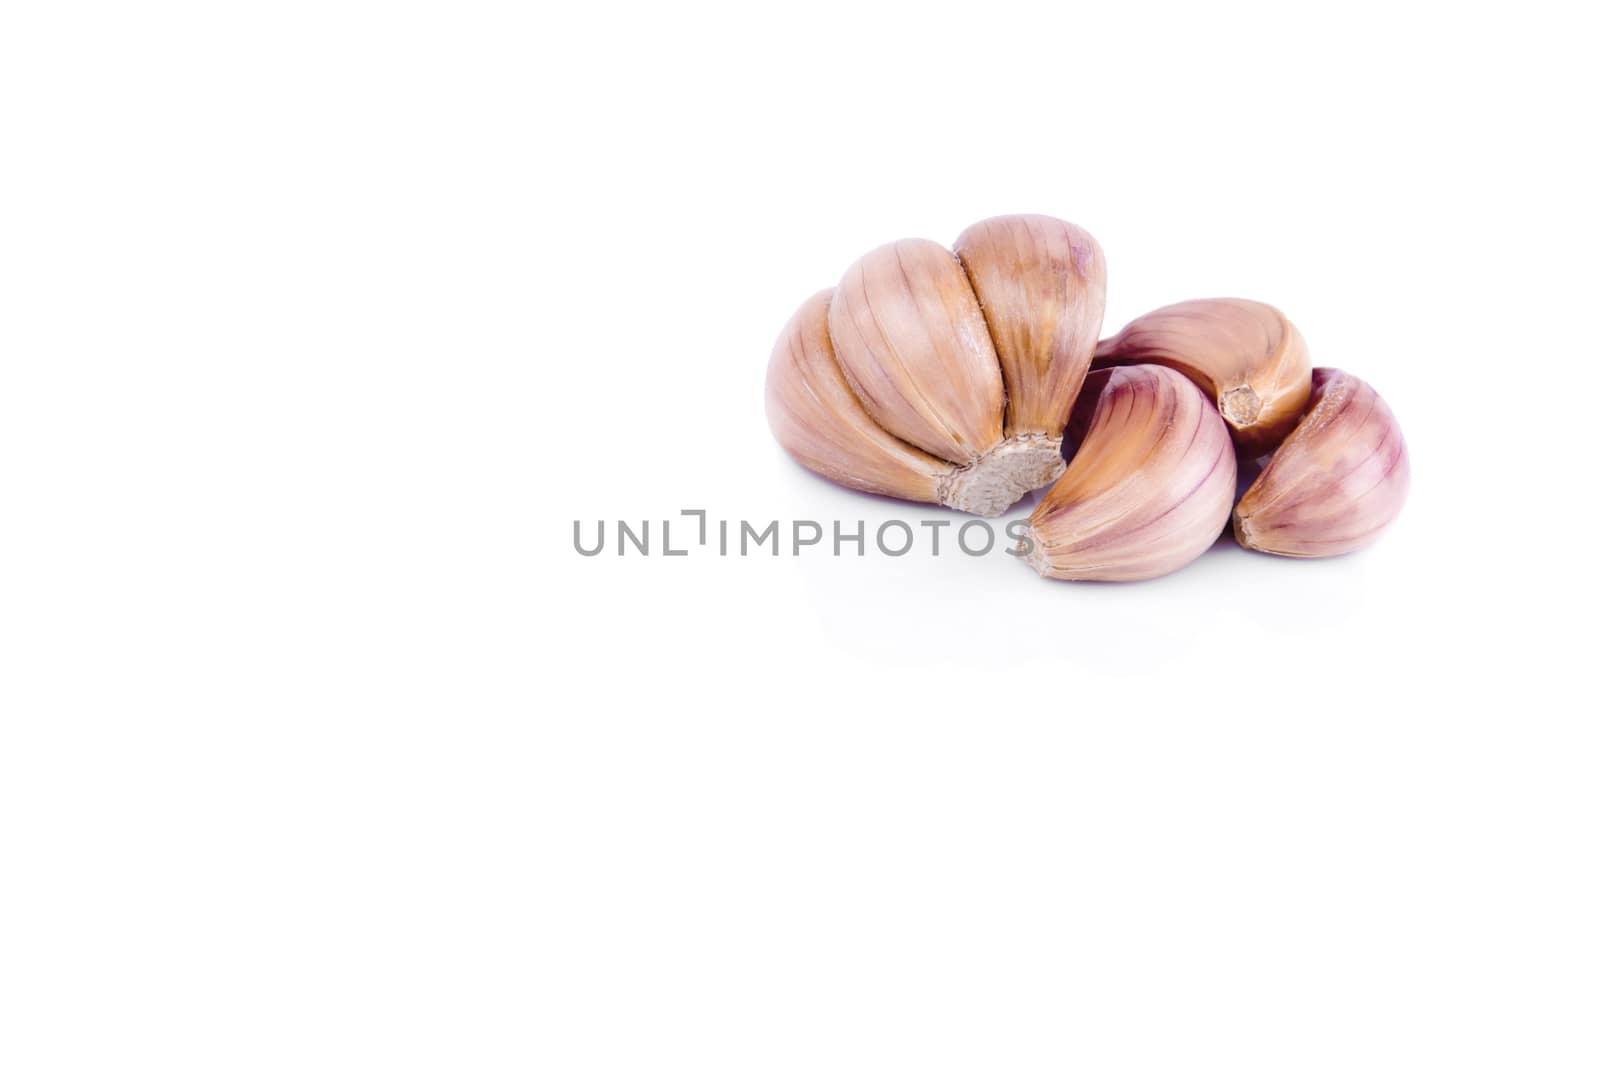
{"x": 1337, "y": 481}
{"x": 818, "y": 420}
{"x": 1042, "y": 285}
{"x": 1149, "y": 488}
{"x": 912, "y": 343}
{"x": 1246, "y": 355}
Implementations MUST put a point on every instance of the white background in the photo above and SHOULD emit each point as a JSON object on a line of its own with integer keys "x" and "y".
{"x": 322, "y": 323}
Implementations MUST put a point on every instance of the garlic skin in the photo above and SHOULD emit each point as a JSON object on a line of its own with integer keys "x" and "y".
{"x": 818, "y": 420}
{"x": 915, "y": 348}
{"x": 1042, "y": 285}
{"x": 1337, "y": 481}
{"x": 1247, "y": 356}
{"x": 955, "y": 418}
{"x": 1150, "y": 487}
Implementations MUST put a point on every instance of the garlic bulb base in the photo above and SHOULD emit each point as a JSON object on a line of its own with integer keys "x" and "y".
{"x": 1003, "y": 475}
{"x": 1035, "y": 555}
{"x": 1240, "y": 406}
{"x": 1246, "y": 536}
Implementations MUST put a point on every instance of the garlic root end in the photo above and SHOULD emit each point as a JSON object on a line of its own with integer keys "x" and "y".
{"x": 1240, "y": 406}
{"x": 1003, "y": 475}
{"x": 1035, "y": 556}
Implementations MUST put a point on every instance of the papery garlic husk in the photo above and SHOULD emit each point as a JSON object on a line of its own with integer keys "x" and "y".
{"x": 1337, "y": 481}
{"x": 1149, "y": 488}
{"x": 1247, "y": 356}
{"x": 908, "y": 335}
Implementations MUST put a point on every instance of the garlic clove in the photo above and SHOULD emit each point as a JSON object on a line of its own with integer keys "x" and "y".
{"x": 1149, "y": 488}
{"x": 818, "y": 419}
{"x": 913, "y": 344}
{"x": 1041, "y": 283}
{"x": 1246, "y": 355}
{"x": 1337, "y": 481}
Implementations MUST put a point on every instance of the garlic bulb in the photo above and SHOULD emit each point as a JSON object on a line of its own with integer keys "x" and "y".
{"x": 1246, "y": 355}
{"x": 1337, "y": 481}
{"x": 1149, "y": 488}
{"x": 958, "y": 374}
